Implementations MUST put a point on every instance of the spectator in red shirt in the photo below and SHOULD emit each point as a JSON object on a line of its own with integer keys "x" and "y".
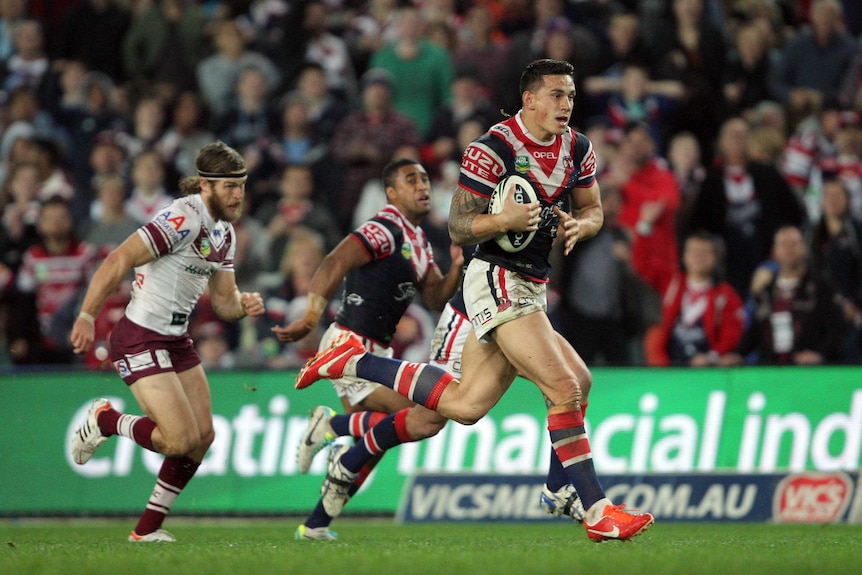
{"x": 702, "y": 317}
{"x": 650, "y": 200}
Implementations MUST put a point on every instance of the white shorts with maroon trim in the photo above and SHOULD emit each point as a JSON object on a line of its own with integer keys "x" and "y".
{"x": 353, "y": 388}
{"x": 495, "y": 295}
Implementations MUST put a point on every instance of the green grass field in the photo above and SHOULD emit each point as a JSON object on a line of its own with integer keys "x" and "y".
{"x": 381, "y": 547}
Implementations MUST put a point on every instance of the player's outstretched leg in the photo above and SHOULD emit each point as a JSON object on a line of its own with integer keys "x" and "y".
{"x": 330, "y": 363}
{"x": 318, "y": 435}
{"x": 89, "y": 436}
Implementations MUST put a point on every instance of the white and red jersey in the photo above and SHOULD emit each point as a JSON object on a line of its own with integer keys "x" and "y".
{"x": 554, "y": 168}
{"x": 189, "y": 247}
{"x": 56, "y": 279}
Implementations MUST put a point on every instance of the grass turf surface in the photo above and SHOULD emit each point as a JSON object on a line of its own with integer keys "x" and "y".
{"x": 379, "y": 546}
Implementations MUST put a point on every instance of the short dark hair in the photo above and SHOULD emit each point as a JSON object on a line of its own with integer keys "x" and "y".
{"x": 536, "y": 70}
{"x": 392, "y": 168}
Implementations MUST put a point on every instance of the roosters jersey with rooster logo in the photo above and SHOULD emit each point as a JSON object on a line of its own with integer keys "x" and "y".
{"x": 554, "y": 168}
{"x": 377, "y": 294}
{"x": 166, "y": 290}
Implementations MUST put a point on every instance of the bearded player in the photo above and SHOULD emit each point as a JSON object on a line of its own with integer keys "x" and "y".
{"x": 188, "y": 246}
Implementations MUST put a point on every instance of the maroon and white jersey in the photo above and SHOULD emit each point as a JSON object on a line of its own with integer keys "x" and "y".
{"x": 189, "y": 247}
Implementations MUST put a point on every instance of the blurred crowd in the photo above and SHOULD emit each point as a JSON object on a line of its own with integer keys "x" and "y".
{"x": 727, "y": 133}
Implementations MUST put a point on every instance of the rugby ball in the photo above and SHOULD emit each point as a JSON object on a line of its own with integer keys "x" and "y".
{"x": 513, "y": 242}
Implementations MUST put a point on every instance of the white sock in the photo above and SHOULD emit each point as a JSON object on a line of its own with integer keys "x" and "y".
{"x": 596, "y": 510}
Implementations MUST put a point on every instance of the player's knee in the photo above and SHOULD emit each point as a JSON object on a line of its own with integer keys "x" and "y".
{"x": 425, "y": 427}
{"x": 585, "y": 383}
{"x": 467, "y": 414}
{"x": 207, "y": 438}
{"x": 180, "y": 445}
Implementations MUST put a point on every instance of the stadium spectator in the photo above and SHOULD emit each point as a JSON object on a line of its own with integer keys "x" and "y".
{"x": 11, "y": 13}
{"x": 372, "y": 27}
{"x": 171, "y": 386}
{"x": 186, "y": 133}
{"x": 28, "y": 65}
{"x": 524, "y": 45}
{"x": 286, "y": 299}
{"x": 372, "y": 273}
{"x": 54, "y": 179}
{"x": 684, "y": 160}
{"x": 826, "y": 143}
{"x": 420, "y": 72}
{"x": 366, "y": 139}
{"x": 634, "y": 97}
{"x": 219, "y": 75}
{"x": 166, "y": 41}
{"x": 328, "y": 50}
{"x": 468, "y": 103}
{"x": 621, "y": 44}
{"x": 325, "y": 107}
{"x": 298, "y": 207}
{"x": 836, "y": 254}
{"x": 52, "y": 275}
{"x": 482, "y": 48}
{"x": 744, "y": 203}
{"x": 248, "y": 120}
{"x": 650, "y": 201}
{"x": 149, "y": 193}
{"x": 594, "y": 286}
{"x": 21, "y": 208}
{"x": 691, "y": 50}
{"x": 296, "y": 142}
{"x": 87, "y": 28}
{"x": 702, "y": 315}
{"x": 746, "y": 78}
{"x": 84, "y": 118}
{"x": 816, "y": 62}
{"x": 111, "y": 222}
{"x": 796, "y": 320}
{"x": 108, "y": 157}
{"x": 147, "y": 125}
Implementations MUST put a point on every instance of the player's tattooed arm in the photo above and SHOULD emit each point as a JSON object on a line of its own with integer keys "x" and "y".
{"x": 464, "y": 209}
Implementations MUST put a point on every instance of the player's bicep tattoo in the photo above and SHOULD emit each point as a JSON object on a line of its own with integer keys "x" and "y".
{"x": 465, "y": 207}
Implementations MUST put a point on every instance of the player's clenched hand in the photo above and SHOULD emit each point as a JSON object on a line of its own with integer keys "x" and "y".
{"x": 569, "y": 228}
{"x": 82, "y": 336}
{"x": 293, "y": 332}
{"x": 252, "y": 304}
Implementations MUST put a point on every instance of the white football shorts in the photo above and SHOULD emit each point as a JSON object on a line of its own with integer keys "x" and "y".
{"x": 495, "y": 295}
